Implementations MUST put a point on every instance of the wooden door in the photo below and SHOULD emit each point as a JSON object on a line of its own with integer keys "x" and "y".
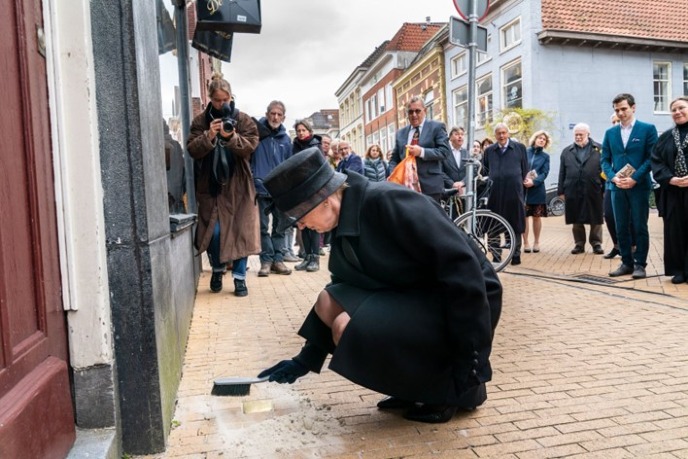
{"x": 36, "y": 410}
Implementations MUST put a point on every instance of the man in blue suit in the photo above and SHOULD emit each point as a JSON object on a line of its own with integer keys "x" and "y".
{"x": 350, "y": 161}
{"x": 627, "y": 147}
{"x": 427, "y": 140}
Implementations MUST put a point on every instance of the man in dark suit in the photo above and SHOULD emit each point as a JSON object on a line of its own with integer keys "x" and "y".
{"x": 454, "y": 167}
{"x": 506, "y": 162}
{"x": 350, "y": 161}
{"x": 427, "y": 140}
{"x": 627, "y": 147}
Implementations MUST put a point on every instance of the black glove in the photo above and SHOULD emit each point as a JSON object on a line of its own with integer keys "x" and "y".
{"x": 287, "y": 371}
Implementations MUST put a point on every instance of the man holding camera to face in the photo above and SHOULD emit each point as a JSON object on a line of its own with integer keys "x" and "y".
{"x": 221, "y": 141}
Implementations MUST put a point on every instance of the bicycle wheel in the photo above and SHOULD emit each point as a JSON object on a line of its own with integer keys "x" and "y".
{"x": 492, "y": 233}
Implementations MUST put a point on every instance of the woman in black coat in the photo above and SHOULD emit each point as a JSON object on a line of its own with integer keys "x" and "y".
{"x": 670, "y": 169}
{"x": 309, "y": 240}
{"x": 410, "y": 312}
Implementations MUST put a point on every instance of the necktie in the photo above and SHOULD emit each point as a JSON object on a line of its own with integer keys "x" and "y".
{"x": 416, "y": 134}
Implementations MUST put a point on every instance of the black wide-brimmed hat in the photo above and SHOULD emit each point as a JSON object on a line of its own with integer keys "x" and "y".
{"x": 300, "y": 183}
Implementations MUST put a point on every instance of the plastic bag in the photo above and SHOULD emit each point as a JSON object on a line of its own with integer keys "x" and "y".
{"x": 406, "y": 173}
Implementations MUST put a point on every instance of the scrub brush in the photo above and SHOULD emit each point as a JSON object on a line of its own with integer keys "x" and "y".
{"x": 235, "y": 386}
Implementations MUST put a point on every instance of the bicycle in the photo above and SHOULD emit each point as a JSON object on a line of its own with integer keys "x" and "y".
{"x": 490, "y": 231}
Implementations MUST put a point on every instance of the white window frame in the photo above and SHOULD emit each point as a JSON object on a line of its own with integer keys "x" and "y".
{"x": 506, "y": 85}
{"x": 510, "y": 35}
{"x": 685, "y": 78}
{"x": 662, "y": 98}
{"x": 485, "y": 99}
{"x": 381, "y": 101}
{"x": 389, "y": 96}
{"x": 429, "y": 103}
{"x": 460, "y": 101}
{"x": 459, "y": 65}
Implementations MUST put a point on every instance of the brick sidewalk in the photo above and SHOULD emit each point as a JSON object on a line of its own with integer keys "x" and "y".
{"x": 582, "y": 369}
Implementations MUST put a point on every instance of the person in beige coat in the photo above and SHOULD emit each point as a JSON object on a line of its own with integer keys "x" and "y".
{"x": 227, "y": 214}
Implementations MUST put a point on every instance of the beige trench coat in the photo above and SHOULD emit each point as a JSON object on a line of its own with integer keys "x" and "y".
{"x": 235, "y": 206}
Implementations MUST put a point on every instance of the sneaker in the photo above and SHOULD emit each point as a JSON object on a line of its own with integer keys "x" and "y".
{"x": 292, "y": 258}
{"x": 216, "y": 282}
{"x": 264, "y": 269}
{"x": 279, "y": 267}
{"x": 240, "y": 287}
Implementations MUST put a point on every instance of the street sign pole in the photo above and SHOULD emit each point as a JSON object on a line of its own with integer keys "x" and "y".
{"x": 472, "y": 45}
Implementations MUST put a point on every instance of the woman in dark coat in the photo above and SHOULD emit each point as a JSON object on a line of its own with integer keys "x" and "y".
{"x": 227, "y": 212}
{"x": 408, "y": 313}
{"x": 670, "y": 169}
{"x": 309, "y": 240}
{"x": 536, "y": 195}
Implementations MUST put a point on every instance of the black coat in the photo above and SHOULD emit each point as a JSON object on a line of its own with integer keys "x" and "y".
{"x": 508, "y": 171}
{"x": 423, "y": 300}
{"x": 673, "y": 205}
{"x": 582, "y": 185}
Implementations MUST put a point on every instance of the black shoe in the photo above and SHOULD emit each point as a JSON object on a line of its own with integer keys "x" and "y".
{"x": 622, "y": 270}
{"x": 314, "y": 264}
{"x": 516, "y": 261}
{"x": 394, "y": 403}
{"x": 639, "y": 272}
{"x": 577, "y": 249}
{"x": 216, "y": 282}
{"x": 598, "y": 250}
{"x": 433, "y": 414}
{"x": 240, "y": 288}
{"x": 302, "y": 266}
{"x": 678, "y": 279}
{"x": 612, "y": 253}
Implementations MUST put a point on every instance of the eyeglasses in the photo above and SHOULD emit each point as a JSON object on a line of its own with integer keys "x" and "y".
{"x": 416, "y": 111}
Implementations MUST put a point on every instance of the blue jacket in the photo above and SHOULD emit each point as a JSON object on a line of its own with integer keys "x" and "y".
{"x": 636, "y": 153}
{"x": 271, "y": 151}
{"x": 352, "y": 162}
{"x": 538, "y": 160}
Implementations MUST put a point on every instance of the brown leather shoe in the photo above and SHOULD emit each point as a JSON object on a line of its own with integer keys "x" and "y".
{"x": 278, "y": 267}
{"x": 264, "y": 269}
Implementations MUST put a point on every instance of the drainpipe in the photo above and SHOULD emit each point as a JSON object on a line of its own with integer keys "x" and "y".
{"x": 185, "y": 96}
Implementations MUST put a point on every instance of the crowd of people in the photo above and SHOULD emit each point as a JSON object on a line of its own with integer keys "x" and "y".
{"x": 413, "y": 304}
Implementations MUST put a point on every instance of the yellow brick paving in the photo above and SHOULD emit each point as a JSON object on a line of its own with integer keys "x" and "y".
{"x": 582, "y": 369}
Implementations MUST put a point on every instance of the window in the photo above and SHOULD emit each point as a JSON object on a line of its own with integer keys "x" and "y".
{"x": 481, "y": 57}
{"x": 428, "y": 101}
{"x": 383, "y": 140}
{"x": 662, "y": 83}
{"x": 389, "y": 99}
{"x": 381, "y": 100}
{"x": 685, "y": 79}
{"x": 484, "y": 96}
{"x": 510, "y": 35}
{"x": 390, "y": 134}
{"x": 512, "y": 94}
{"x": 459, "y": 65}
{"x": 460, "y": 100}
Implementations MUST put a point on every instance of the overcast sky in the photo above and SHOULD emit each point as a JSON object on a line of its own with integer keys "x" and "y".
{"x": 308, "y": 48}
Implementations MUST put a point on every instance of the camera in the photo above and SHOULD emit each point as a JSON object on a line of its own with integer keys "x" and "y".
{"x": 228, "y": 121}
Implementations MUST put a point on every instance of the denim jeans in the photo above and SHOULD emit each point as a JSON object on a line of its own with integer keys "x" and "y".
{"x": 288, "y": 241}
{"x": 238, "y": 265}
{"x": 272, "y": 244}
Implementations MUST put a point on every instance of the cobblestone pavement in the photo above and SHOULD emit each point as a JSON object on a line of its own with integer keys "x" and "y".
{"x": 582, "y": 368}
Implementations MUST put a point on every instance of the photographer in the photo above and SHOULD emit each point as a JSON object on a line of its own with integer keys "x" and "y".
{"x": 221, "y": 141}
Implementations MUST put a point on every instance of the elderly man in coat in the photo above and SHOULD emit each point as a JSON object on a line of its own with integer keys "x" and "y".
{"x": 582, "y": 187}
{"x": 506, "y": 163}
{"x": 408, "y": 313}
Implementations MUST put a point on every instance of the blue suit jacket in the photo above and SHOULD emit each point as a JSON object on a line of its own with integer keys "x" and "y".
{"x": 434, "y": 139}
{"x": 353, "y": 162}
{"x": 636, "y": 153}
